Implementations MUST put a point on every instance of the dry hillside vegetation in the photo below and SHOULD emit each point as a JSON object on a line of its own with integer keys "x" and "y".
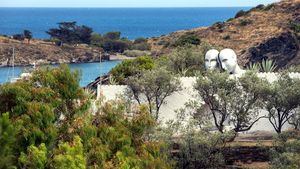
{"x": 264, "y": 32}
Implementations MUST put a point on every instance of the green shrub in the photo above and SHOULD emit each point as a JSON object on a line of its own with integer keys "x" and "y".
{"x": 112, "y": 42}
{"x": 219, "y": 25}
{"x": 295, "y": 27}
{"x": 141, "y": 46}
{"x": 187, "y": 39}
{"x": 69, "y": 155}
{"x": 227, "y": 37}
{"x": 115, "y": 45}
{"x": 117, "y": 141}
{"x": 7, "y": 141}
{"x": 97, "y": 40}
{"x": 196, "y": 147}
{"x": 112, "y": 35}
{"x": 36, "y": 157}
{"x": 245, "y": 22}
{"x": 140, "y": 40}
{"x": 286, "y": 152}
{"x": 131, "y": 67}
{"x": 199, "y": 150}
{"x": 188, "y": 60}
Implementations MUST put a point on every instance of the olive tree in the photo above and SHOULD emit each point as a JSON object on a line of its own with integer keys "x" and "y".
{"x": 231, "y": 100}
{"x": 295, "y": 119}
{"x": 187, "y": 60}
{"x": 282, "y": 98}
{"x": 153, "y": 87}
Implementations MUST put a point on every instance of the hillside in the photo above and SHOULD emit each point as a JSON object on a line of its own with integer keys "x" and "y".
{"x": 42, "y": 52}
{"x": 264, "y": 32}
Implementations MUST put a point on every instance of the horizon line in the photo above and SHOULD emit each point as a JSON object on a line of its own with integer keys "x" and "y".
{"x": 130, "y": 7}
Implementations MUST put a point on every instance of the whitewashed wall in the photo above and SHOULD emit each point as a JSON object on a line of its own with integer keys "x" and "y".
{"x": 178, "y": 99}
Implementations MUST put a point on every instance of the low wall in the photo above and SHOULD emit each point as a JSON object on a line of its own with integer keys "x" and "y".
{"x": 178, "y": 99}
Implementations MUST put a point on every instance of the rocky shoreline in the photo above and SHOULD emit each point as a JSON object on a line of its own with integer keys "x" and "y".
{"x": 46, "y": 53}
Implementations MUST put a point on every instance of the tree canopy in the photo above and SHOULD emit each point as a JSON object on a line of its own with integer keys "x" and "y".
{"x": 231, "y": 101}
{"x": 70, "y": 32}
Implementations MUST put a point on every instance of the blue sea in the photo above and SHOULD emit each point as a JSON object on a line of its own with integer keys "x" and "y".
{"x": 132, "y": 22}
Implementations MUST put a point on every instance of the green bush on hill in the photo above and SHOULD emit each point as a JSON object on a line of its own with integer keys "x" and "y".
{"x": 245, "y": 22}
{"x": 187, "y": 39}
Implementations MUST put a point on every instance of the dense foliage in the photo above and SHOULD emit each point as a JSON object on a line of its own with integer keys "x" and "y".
{"x": 285, "y": 154}
{"x": 46, "y": 122}
{"x": 70, "y": 32}
{"x": 113, "y": 42}
{"x": 187, "y": 39}
{"x": 187, "y": 60}
{"x": 131, "y": 68}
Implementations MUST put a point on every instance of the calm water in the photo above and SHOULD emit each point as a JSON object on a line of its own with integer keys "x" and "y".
{"x": 132, "y": 22}
{"x": 90, "y": 71}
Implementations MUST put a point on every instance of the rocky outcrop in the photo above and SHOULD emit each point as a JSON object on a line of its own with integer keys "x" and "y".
{"x": 284, "y": 49}
{"x": 41, "y": 52}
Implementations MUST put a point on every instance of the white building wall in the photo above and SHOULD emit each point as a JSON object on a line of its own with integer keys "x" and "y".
{"x": 178, "y": 99}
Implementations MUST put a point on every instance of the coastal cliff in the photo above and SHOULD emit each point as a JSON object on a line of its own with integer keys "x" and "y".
{"x": 264, "y": 32}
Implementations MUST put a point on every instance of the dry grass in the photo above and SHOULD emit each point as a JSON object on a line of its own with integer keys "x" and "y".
{"x": 265, "y": 143}
{"x": 253, "y": 165}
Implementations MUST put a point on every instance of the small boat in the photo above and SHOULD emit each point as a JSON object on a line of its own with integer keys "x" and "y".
{"x": 24, "y": 75}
